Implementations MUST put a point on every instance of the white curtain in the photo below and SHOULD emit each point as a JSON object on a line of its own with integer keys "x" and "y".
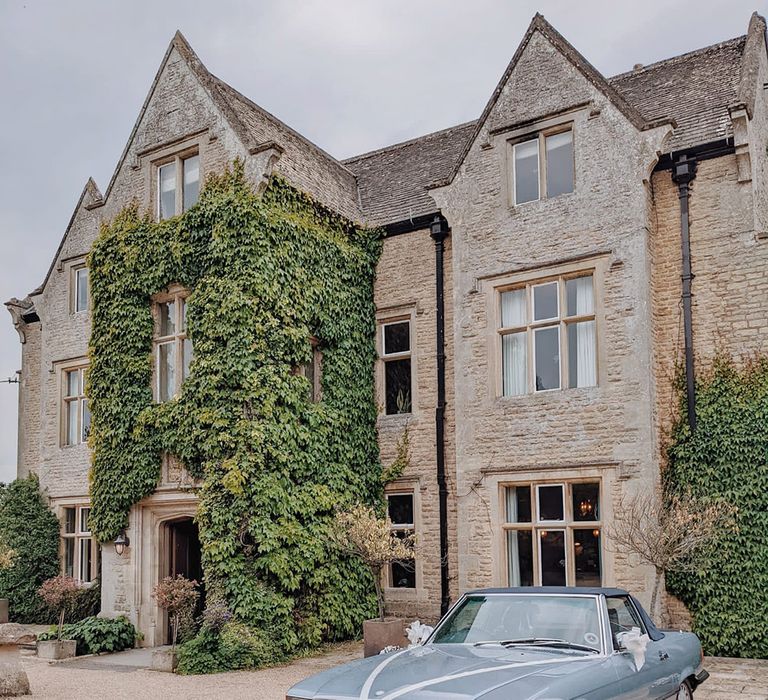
{"x": 586, "y": 360}
{"x": 514, "y": 345}
{"x": 513, "y": 554}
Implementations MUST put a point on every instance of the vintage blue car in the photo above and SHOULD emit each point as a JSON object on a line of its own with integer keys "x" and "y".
{"x": 547, "y": 643}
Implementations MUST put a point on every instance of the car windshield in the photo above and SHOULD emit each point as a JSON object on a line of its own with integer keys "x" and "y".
{"x": 523, "y": 619}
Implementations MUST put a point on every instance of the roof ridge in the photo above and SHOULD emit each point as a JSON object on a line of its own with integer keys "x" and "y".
{"x": 279, "y": 121}
{"x": 408, "y": 142}
{"x": 678, "y": 57}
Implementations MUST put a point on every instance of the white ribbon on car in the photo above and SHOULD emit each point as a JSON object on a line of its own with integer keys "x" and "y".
{"x": 399, "y": 692}
{"x": 635, "y": 643}
{"x": 417, "y": 633}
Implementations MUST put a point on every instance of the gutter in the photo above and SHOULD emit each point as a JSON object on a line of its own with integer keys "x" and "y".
{"x": 438, "y": 233}
{"x": 683, "y": 174}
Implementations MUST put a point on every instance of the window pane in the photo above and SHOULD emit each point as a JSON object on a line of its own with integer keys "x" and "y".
{"x": 84, "y": 515}
{"x": 586, "y": 550}
{"x": 513, "y": 308}
{"x": 86, "y": 423}
{"x": 397, "y": 337}
{"x": 622, "y": 615}
{"x": 187, "y": 348}
{"x": 81, "y": 289}
{"x": 559, "y": 149}
{"x": 69, "y": 520}
{"x": 167, "y": 318}
{"x": 586, "y": 501}
{"x": 514, "y": 363}
{"x": 72, "y": 408}
{"x": 551, "y": 506}
{"x": 526, "y": 171}
{"x": 518, "y": 504}
{"x": 519, "y": 557}
{"x": 579, "y": 296}
{"x": 545, "y": 303}
{"x": 403, "y": 574}
{"x": 69, "y": 555}
{"x": 85, "y": 559}
{"x": 397, "y": 377}
{"x": 552, "y": 557}
{"x": 400, "y": 509}
{"x": 73, "y": 383}
{"x": 183, "y": 310}
{"x": 166, "y": 368}
{"x": 582, "y": 354}
{"x": 167, "y": 187}
{"x": 191, "y": 168}
{"x": 547, "y": 344}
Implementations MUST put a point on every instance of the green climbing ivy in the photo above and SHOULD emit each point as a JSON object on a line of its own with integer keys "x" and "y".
{"x": 265, "y": 274}
{"x": 727, "y": 458}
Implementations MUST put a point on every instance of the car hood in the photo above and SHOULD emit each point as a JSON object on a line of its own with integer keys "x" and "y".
{"x": 450, "y": 672}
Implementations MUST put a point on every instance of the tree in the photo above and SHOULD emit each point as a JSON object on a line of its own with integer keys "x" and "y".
{"x": 59, "y": 593}
{"x": 363, "y": 534}
{"x": 177, "y": 596}
{"x": 671, "y": 532}
{"x": 30, "y": 528}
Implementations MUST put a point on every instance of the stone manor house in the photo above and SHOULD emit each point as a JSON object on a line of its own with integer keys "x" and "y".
{"x": 544, "y": 268}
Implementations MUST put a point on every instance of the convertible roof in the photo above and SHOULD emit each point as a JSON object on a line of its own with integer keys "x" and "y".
{"x": 576, "y": 590}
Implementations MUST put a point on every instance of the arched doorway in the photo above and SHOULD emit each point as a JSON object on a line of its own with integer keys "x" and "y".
{"x": 183, "y": 557}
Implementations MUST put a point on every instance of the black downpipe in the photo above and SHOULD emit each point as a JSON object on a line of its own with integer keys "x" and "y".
{"x": 439, "y": 232}
{"x": 683, "y": 174}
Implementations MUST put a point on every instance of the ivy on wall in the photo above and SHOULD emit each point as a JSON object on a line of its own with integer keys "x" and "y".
{"x": 265, "y": 274}
{"x": 727, "y": 458}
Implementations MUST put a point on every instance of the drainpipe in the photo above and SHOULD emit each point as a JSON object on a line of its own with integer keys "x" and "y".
{"x": 683, "y": 173}
{"x": 439, "y": 232}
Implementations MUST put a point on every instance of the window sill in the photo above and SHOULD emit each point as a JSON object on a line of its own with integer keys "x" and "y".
{"x": 393, "y": 421}
{"x": 565, "y": 393}
{"x": 513, "y": 206}
{"x": 398, "y": 594}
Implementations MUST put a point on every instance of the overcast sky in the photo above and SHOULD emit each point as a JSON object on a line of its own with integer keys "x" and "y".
{"x": 351, "y": 75}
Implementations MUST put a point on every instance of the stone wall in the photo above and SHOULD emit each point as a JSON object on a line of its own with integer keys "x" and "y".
{"x": 405, "y": 285}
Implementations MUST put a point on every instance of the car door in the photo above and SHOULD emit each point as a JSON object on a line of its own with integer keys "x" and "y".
{"x": 656, "y": 679}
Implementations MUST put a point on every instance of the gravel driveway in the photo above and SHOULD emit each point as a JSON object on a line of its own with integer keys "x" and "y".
{"x": 117, "y": 676}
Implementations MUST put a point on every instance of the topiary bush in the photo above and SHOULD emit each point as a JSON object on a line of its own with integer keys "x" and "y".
{"x": 727, "y": 458}
{"x": 97, "y": 635}
{"x": 266, "y": 275}
{"x": 31, "y": 529}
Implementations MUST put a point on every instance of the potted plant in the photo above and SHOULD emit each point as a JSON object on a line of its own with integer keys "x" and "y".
{"x": 7, "y": 556}
{"x": 58, "y": 593}
{"x": 363, "y": 534}
{"x": 177, "y": 596}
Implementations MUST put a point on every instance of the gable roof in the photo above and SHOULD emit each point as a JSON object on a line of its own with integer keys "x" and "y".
{"x": 393, "y": 181}
{"x": 693, "y": 91}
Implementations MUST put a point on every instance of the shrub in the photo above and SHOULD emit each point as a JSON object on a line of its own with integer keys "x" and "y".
{"x": 30, "y": 528}
{"x": 236, "y": 646}
{"x": 59, "y": 593}
{"x": 87, "y": 603}
{"x": 96, "y": 635}
{"x": 177, "y": 596}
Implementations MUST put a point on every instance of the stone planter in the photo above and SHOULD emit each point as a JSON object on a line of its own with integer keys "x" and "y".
{"x": 13, "y": 678}
{"x": 165, "y": 659}
{"x": 56, "y": 650}
{"x": 3, "y": 610}
{"x": 379, "y": 634}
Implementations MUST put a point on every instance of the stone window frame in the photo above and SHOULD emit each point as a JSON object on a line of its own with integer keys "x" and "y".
{"x": 80, "y": 537}
{"x": 383, "y": 318}
{"x": 402, "y": 527}
{"x": 537, "y": 525}
{"x": 406, "y": 486}
{"x": 174, "y": 293}
{"x": 494, "y": 285}
{"x": 75, "y": 268}
{"x": 80, "y": 365}
{"x": 176, "y": 150}
{"x": 540, "y": 136}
